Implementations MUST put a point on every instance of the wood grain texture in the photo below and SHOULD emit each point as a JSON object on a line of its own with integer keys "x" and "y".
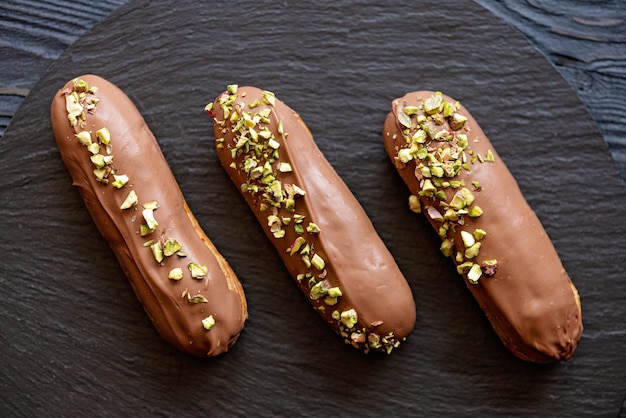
{"x": 76, "y": 342}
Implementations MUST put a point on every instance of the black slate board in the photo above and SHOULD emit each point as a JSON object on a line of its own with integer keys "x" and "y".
{"x": 74, "y": 339}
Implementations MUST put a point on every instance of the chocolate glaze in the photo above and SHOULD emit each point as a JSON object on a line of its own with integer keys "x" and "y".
{"x": 356, "y": 259}
{"x": 530, "y": 300}
{"x": 136, "y": 153}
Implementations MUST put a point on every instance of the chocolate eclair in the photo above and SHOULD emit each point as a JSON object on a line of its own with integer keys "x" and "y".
{"x": 319, "y": 229}
{"x": 187, "y": 288}
{"x": 486, "y": 226}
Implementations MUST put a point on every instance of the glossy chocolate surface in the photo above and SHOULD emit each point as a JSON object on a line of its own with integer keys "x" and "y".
{"x": 530, "y": 300}
{"x": 177, "y": 308}
{"x": 356, "y": 260}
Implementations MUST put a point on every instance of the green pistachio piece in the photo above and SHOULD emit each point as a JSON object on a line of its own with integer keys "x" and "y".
{"x": 157, "y": 251}
{"x": 197, "y": 271}
{"x": 312, "y": 228}
{"x": 296, "y": 245}
{"x": 448, "y": 109}
{"x": 489, "y": 157}
{"x": 434, "y": 104}
{"x": 284, "y": 167}
{"x": 473, "y": 275}
{"x": 414, "y": 204}
{"x": 208, "y": 322}
{"x": 84, "y": 138}
{"x": 472, "y": 251}
{"x": 94, "y": 148}
{"x": 279, "y": 234}
{"x": 171, "y": 247}
{"x": 410, "y": 110}
{"x": 479, "y": 234}
{"x": 330, "y": 301}
{"x": 318, "y": 262}
{"x": 334, "y": 292}
{"x": 457, "y": 121}
{"x": 428, "y": 187}
{"x": 130, "y": 201}
{"x": 404, "y": 155}
{"x": 145, "y": 230}
{"x": 151, "y": 205}
{"x": 232, "y": 88}
{"x": 403, "y": 119}
{"x": 119, "y": 180}
{"x": 148, "y": 216}
{"x": 434, "y": 214}
{"x": 464, "y": 268}
{"x": 306, "y": 260}
{"x": 175, "y": 274}
{"x": 469, "y": 196}
{"x": 419, "y": 136}
{"x": 475, "y": 212}
{"x": 458, "y": 201}
{"x": 101, "y": 174}
{"x": 98, "y": 160}
{"x": 468, "y": 239}
{"x": 489, "y": 267}
{"x": 349, "y": 318}
{"x": 319, "y": 290}
{"x": 447, "y": 247}
{"x": 104, "y": 135}
{"x": 196, "y": 299}
{"x": 269, "y": 98}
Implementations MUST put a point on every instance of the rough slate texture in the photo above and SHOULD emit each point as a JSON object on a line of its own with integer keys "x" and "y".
{"x": 75, "y": 340}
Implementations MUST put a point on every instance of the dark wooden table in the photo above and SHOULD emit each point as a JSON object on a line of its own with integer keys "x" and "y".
{"x": 585, "y": 41}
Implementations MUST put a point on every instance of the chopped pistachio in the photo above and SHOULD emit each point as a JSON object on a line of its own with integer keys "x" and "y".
{"x": 175, "y": 274}
{"x": 119, "y": 180}
{"x": 100, "y": 160}
{"x": 447, "y": 247}
{"x": 434, "y": 104}
{"x": 472, "y": 251}
{"x": 269, "y": 98}
{"x": 465, "y": 267}
{"x": 284, "y": 167}
{"x": 457, "y": 121}
{"x": 312, "y": 228}
{"x": 479, "y": 234}
{"x": 197, "y": 271}
{"x": 196, "y": 298}
{"x": 84, "y": 138}
{"x": 318, "y": 262}
{"x": 208, "y": 322}
{"x": 475, "y": 212}
{"x": 148, "y": 216}
{"x": 319, "y": 290}
{"x": 414, "y": 204}
{"x": 104, "y": 135}
{"x": 489, "y": 156}
{"x": 130, "y": 201}
{"x": 434, "y": 214}
{"x": 489, "y": 267}
{"x": 473, "y": 275}
{"x": 405, "y": 155}
{"x": 157, "y": 251}
{"x": 468, "y": 239}
{"x": 171, "y": 247}
{"x": 349, "y": 318}
{"x": 151, "y": 205}
{"x": 334, "y": 292}
{"x": 403, "y": 119}
{"x": 145, "y": 230}
{"x": 94, "y": 148}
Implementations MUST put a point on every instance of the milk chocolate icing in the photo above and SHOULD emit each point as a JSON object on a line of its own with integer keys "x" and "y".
{"x": 187, "y": 288}
{"x": 322, "y": 233}
{"x": 486, "y": 226}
